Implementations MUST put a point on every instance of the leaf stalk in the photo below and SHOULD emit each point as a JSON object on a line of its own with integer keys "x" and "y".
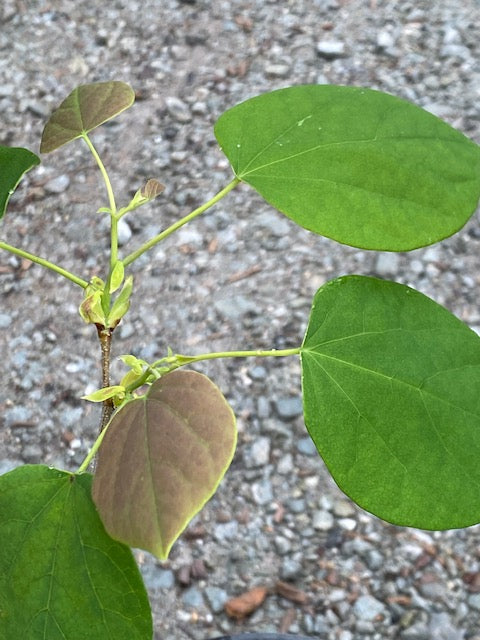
{"x": 44, "y": 263}
{"x": 179, "y": 223}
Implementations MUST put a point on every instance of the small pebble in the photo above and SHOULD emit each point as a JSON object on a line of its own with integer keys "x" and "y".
{"x": 5, "y": 320}
{"x": 259, "y": 453}
{"x": 216, "y": 598}
{"x": 262, "y": 492}
{"x": 258, "y": 373}
{"x": 331, "y": 49}
{"x": 193, "y": 598}
{"x": 367, "y": 608}
{"x": 277, "y": 70}
{"x": 306, "y": 446}
{"x": 387, "y": 264}
{"x": 178, "y": 109}
{"x": 282, "y": 545}
{"x": 290, "y": 569}
{"x": 289, "y": 407}
{"x": 58, "y": 184}
{"x": 124, "y": 232}
{"x": 323, "y": 520}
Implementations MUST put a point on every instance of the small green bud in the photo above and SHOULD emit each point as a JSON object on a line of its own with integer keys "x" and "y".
{"x": 91, "y": 309}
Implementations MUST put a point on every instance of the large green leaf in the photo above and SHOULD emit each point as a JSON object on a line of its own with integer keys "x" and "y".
{"x": 359, "y": 166}
{"x": 61, "y": 576}
{"x": 391, "y": 384}
{"x": 14, "y": 163}
{"x": 162, "y": 458}
{"x": 87, "y": 107}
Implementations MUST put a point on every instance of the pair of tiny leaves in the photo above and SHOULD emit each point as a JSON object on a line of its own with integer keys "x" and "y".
{"x": 359, "y": 166}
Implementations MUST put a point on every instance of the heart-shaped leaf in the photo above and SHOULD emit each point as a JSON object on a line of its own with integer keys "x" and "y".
{"x": 391, "y": 385}
{"x": 87, "y": 107}
{"x": 162, "y": 458}
{"x": 61, "y": 575}
{"x": 359, "y": 166}
{"x": 14, "y": 163}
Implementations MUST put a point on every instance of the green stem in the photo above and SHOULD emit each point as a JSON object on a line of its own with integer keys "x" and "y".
{"x": 44, "y": 263}
{"x": 179, "y": 360}
{"x": 93, "y": 451}
{"x": 259, "y": 353}
{"x": 113, "y": 221}
{"x": 103, "y": 171}
{"x": 111, "y": 201}
{"x": 164, "y": 234}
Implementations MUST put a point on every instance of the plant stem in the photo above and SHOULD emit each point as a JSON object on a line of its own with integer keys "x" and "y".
{"x": 111, "y": 201}
{"x": 196, "y": 212}
{"x": 105, "y": 337}
{"x": 44, "y": 263}
{"x": 106, "y": 179}
{"x": 260, "y": 353}
{"x": 179, "y": 360}
{"x": 93, "y": 451}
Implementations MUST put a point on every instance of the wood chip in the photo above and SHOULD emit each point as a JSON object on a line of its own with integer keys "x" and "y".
{"x": 213, "y": 245}
{"x": 289, "y": 592}
{"x": 245, "y": 604}
{"x": 244, "y": 22}
{"x": 287, "y": 620}
{"x": 245, "y": 273}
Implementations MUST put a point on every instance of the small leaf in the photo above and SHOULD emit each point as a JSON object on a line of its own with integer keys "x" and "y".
{"x": 121, "y": 304}
{"x": 61, "y": 575}
{"x": 358, "y": 166}
{"x": 136, "y": 364}
{"x": 148, "y": 192}
{"x": 152, "y": 189}
{"x": 162, "y": 458}
{"x": 391, "y": 387}
{"x": 14, "y": 163}
{"x": 117, "y": 276}
{"x": 87, "y": 107}
{"x": 100, "y": 395}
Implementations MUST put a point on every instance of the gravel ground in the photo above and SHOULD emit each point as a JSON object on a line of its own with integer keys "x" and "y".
{"x": 241, "y": 276}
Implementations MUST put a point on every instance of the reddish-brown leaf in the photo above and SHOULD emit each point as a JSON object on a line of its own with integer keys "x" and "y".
{"x": 162, "y": 458}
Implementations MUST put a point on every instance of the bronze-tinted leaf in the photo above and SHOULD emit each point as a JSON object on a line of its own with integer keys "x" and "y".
{"x": 87, "y": 107}
{"x": 152, "y": 188}
{"x": 162, "y": 458}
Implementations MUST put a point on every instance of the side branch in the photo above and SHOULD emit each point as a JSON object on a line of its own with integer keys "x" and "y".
{"x": 44, "y": 263}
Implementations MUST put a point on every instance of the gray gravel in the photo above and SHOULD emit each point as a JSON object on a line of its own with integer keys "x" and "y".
{"x": 241, "y": 276}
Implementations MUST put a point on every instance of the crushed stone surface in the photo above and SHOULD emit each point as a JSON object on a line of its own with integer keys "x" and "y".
{"x": 240, "y": 276}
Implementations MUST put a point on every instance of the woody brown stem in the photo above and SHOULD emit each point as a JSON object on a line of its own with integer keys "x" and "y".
{"x": 105, "y": 337}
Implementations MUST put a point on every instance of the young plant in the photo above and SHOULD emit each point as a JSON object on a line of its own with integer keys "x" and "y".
{"x": 390, "y": 379}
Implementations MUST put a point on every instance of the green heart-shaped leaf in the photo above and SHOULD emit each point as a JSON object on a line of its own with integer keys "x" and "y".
{"x": 14, "y": 163}
{"x": 391, "y": 385}
{"x": 61, "y": 575}
{"x": 359, "y": 166}
{"x": 162, "y": 458}
{"x": 87, "y": 107}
